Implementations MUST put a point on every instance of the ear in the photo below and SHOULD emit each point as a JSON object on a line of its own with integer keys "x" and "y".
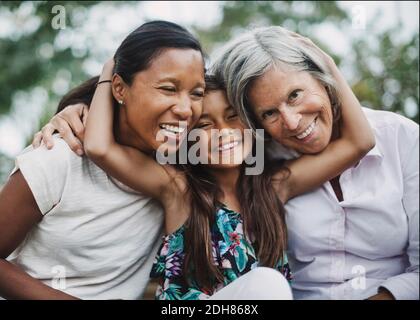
{"x": 119, "y": 87}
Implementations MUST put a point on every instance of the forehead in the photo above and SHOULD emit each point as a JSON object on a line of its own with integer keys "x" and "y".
{"x": 275, "y": 83}
{"x": 173, "y": 63}
{"x": 215, "y": 102}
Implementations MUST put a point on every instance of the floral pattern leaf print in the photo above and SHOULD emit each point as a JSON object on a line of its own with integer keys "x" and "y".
{"x": 233, "y": 253}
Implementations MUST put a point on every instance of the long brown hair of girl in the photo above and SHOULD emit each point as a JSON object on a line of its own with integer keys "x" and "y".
{"x": 262, "y": 212}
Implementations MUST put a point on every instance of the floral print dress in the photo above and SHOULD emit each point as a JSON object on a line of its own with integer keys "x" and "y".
{"x": 232, "y": 252}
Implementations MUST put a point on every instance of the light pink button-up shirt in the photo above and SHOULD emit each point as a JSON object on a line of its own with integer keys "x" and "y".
{"x": 346, "y": 250}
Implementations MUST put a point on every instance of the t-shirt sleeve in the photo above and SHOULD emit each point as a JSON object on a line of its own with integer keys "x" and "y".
{"x": 45, "y": 172}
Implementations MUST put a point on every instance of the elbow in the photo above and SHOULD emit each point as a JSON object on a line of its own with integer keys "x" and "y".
{"x": 366, "y": 144}
{"x": 95, "y": 152}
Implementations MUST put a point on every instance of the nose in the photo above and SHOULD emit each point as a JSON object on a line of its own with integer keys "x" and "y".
{"x": 224, "y": 133}
{"x": 224, "y": 129}
{"x": 183, "y": 109}
{"x": 291, "y": 117}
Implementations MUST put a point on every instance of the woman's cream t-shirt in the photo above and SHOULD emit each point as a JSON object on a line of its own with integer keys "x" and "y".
{"x": 97, "y": 239}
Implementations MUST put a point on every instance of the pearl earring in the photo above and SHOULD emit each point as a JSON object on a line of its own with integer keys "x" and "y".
{"x": 120, "y": 102}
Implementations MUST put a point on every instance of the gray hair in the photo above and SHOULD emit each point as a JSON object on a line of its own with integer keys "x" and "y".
{"x": 251, "y": 54}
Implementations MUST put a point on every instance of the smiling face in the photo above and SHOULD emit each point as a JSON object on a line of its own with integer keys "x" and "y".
{"x": 224, "y": 132}
{"x": 166, "y": 96}
{"x": 293, "y": 108}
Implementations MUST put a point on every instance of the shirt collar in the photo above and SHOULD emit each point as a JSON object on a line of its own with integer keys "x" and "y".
{"x": 375, "y": 152}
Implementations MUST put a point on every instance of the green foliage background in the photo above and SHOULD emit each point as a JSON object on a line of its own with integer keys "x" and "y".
{"x": 391, "y": 88}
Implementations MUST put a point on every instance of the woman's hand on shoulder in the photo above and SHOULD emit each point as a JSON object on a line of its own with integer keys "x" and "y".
{"x": 70, "y": 124}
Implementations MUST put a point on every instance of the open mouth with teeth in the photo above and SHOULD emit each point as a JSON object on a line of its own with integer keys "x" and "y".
{"x": 305, "y": 135}
{"x": 173, "y": 131}
{"x": 228, "y": 146}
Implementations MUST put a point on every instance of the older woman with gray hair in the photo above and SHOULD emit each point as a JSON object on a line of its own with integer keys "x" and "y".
{"x": 356, "y": 237}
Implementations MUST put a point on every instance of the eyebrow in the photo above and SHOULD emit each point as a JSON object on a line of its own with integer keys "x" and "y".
{"x": 176, "y": 81}
{"x": 229, "y": 108}
{"x": 170, "y": 79}
{"x": 258, "y": 109}
{"x": 269, "y": 107}
{"x": 264, "y": 108}
{"x": 287, "y": 88}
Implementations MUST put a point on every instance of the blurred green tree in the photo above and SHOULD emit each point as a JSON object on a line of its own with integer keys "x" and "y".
{"x": 387, "y": 73}
{"x": 29, "y": 56}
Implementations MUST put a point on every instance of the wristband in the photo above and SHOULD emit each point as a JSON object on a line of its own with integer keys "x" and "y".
{"x": 103, "y": 81}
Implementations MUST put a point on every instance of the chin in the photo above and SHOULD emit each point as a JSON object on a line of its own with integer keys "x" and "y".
{"x": 225, "y": 163}
{"x": 307, "y": 149}
{"x": 316, "y": 148}
{"x": 165, "y": 149}
{"x": 229, "y": 166}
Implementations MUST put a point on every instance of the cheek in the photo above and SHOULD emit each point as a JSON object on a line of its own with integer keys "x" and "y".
{"x": 327, "y": 121}
{"x": 326, "y": 110}
{"x": 247, "y": 147}
{"x": 197, "y": 110}
{"x": 274, "y": 130}
{"x": 314, "y": 103}
{"x": 139, "y": 118}
{"x": 204, "y": 142}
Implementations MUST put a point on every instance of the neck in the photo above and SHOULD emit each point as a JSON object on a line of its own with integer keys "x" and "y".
{"x": 125, "y": 135}
{"x": 227, "y": 180}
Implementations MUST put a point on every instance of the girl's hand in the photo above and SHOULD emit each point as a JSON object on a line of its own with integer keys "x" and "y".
{"x": 70, "y": 124}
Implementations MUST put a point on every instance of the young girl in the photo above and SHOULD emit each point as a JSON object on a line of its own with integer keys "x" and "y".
{"x": 219, "y": 222}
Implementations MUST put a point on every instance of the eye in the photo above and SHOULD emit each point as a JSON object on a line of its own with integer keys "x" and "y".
{"x": 198, "y": 93}
{"x": 203, "y": 125}
{"x": 169, "y": 89}
{"x": 233, "y": 116}
{"x": 269, "y": 114}
{"x": 294, "y": 95}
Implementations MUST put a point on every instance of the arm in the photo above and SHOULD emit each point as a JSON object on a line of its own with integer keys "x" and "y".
{"x": 18, "y": 214}
{"x": 357, "y": 138}
{"x": 127, "y": 164}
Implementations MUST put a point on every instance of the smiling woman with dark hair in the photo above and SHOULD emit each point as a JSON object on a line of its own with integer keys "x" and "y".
{"x": 67, "y": 228}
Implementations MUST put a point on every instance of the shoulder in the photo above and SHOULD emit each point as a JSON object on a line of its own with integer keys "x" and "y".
{"x": 43, "y": 163}
{"x": 390, "y": 126}
{"x": 46, "y": 172}
{"x": 381, "y": 119}
{"x": 397, "y": 137}
{"x": 59, "y": 155}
